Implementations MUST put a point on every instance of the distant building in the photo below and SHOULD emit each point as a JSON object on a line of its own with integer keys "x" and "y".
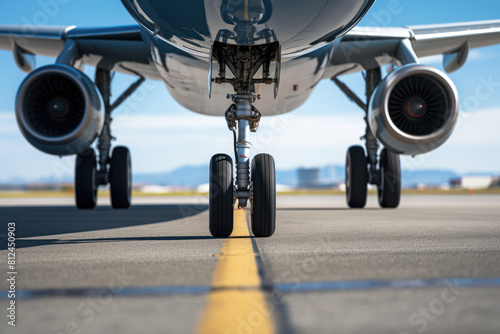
{"x": 330, "y": 175}
{"x": 456, "y": 183}
{"x": 157, "y": 189}
{"x": 309, "y": 177}
{"x": 496, "y": 182}
{"x": 203, "y": 188}
{"x": 473, "y": 182}
{"x": 476, "y": 182}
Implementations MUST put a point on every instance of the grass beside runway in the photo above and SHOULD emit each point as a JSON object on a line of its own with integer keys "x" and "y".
{"x": 492, "y": 191}
{"x": 70, "y": 193}
{"x": 105, "y": 193}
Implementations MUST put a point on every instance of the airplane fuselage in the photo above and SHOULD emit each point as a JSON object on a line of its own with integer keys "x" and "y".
{"x": 182, "y": 36}
{"x": 296, "y": 24}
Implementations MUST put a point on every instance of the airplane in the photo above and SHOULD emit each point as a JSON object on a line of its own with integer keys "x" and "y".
{"x": 242, "y": 59}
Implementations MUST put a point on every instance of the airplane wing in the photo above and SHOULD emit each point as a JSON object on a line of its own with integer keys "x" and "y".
{"x": 122, "y": 49}
{"x": 367, "y": 48}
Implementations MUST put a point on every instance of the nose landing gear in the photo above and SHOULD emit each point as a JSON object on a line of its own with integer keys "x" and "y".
{"x": 256, "y": 182}
{"x": 259, "y": 190}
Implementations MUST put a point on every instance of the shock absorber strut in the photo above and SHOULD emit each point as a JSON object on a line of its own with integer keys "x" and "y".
{"x": 244, "y": 118}
{"x": 373, "y": 78}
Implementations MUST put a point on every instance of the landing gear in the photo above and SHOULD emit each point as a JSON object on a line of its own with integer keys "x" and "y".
{"x": 221, "y": 196}
{"x": 120, "y": 178}
{"x": 389, "y": 189}
{"x": 356, "y": 177}
{"x": 264, "y": 196}
{"x": 242, "y": 118}
{"x": 91, "y": 172}
{"x": 86, "y": 180}
{"x": 363, "y": 169}
{"x": 257, "y": 184}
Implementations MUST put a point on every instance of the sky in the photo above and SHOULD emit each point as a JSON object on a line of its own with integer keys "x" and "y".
{"x": 162, "y": 135}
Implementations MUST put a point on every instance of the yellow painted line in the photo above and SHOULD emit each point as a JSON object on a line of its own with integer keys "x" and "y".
{"x": 237, "y": 304}
{"x": 245, "y": 15}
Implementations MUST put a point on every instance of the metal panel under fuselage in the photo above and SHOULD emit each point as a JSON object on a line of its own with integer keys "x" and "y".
{"x": 296, "y": 24}
{"x": 186, "y": 77}
{"x": 186, "y": 30}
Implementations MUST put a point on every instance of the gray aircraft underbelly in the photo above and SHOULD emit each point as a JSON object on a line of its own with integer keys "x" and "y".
{"x": 297, "y": 25}
{"x": 185, "y": 32}
{"x": 186, "y": 77}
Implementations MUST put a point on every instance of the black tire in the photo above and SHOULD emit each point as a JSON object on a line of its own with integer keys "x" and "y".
{"x": 86, "y": 180}
{"x": 264, "y": 196}
{"x": 120, "y": 178}
{"x": 389, "y": 190}
{"x": 221, "y": 196}
{"x": 356, "y": 177}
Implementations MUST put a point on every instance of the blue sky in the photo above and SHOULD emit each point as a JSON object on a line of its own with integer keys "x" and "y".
{"x": 162, "y": 135}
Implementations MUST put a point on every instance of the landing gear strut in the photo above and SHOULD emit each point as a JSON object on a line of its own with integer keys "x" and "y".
{"x": 363, "y": 169}
{"x": 115, "y": 168}
{"x": 254, "y": 183}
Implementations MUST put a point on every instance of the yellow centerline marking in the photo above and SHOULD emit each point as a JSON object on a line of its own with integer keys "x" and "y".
{"x": 237, "y": 304}
{"x": 245, "y": 14}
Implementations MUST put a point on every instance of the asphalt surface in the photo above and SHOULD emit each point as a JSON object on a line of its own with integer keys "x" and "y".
{"x": 431, "y": 266}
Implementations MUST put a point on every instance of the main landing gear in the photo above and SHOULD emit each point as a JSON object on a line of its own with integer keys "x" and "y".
{"x": 255, "y": 183}
{"x": 365, "y": 167}
{"x": 113, "y": 169}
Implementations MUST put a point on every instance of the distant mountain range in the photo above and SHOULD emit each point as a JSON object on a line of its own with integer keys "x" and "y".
{"x": 188, "y": 176}
{"x": 430, "y": 177}
{"x": 192, "y": 176}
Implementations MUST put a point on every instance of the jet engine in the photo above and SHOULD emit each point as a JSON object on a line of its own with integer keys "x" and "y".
{"x": 414, "y": 109}
{"x": 59, "y": 110}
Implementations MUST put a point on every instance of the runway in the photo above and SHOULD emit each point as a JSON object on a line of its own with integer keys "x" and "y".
{"x": 431, "y": 266}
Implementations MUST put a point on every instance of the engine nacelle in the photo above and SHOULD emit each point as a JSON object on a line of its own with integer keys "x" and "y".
{"x": 59, "y": 110}
{"x": 414, "y": 109}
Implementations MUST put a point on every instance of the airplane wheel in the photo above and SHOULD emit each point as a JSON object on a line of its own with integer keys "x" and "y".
{"x": 389, "y": 190}
{"x": 120, "y": 178}
{"x": 85, "y": 180}
{"x": 221, "y": 196}
{"x": 356, "y": 177}
{"x": 264, "y": 196}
